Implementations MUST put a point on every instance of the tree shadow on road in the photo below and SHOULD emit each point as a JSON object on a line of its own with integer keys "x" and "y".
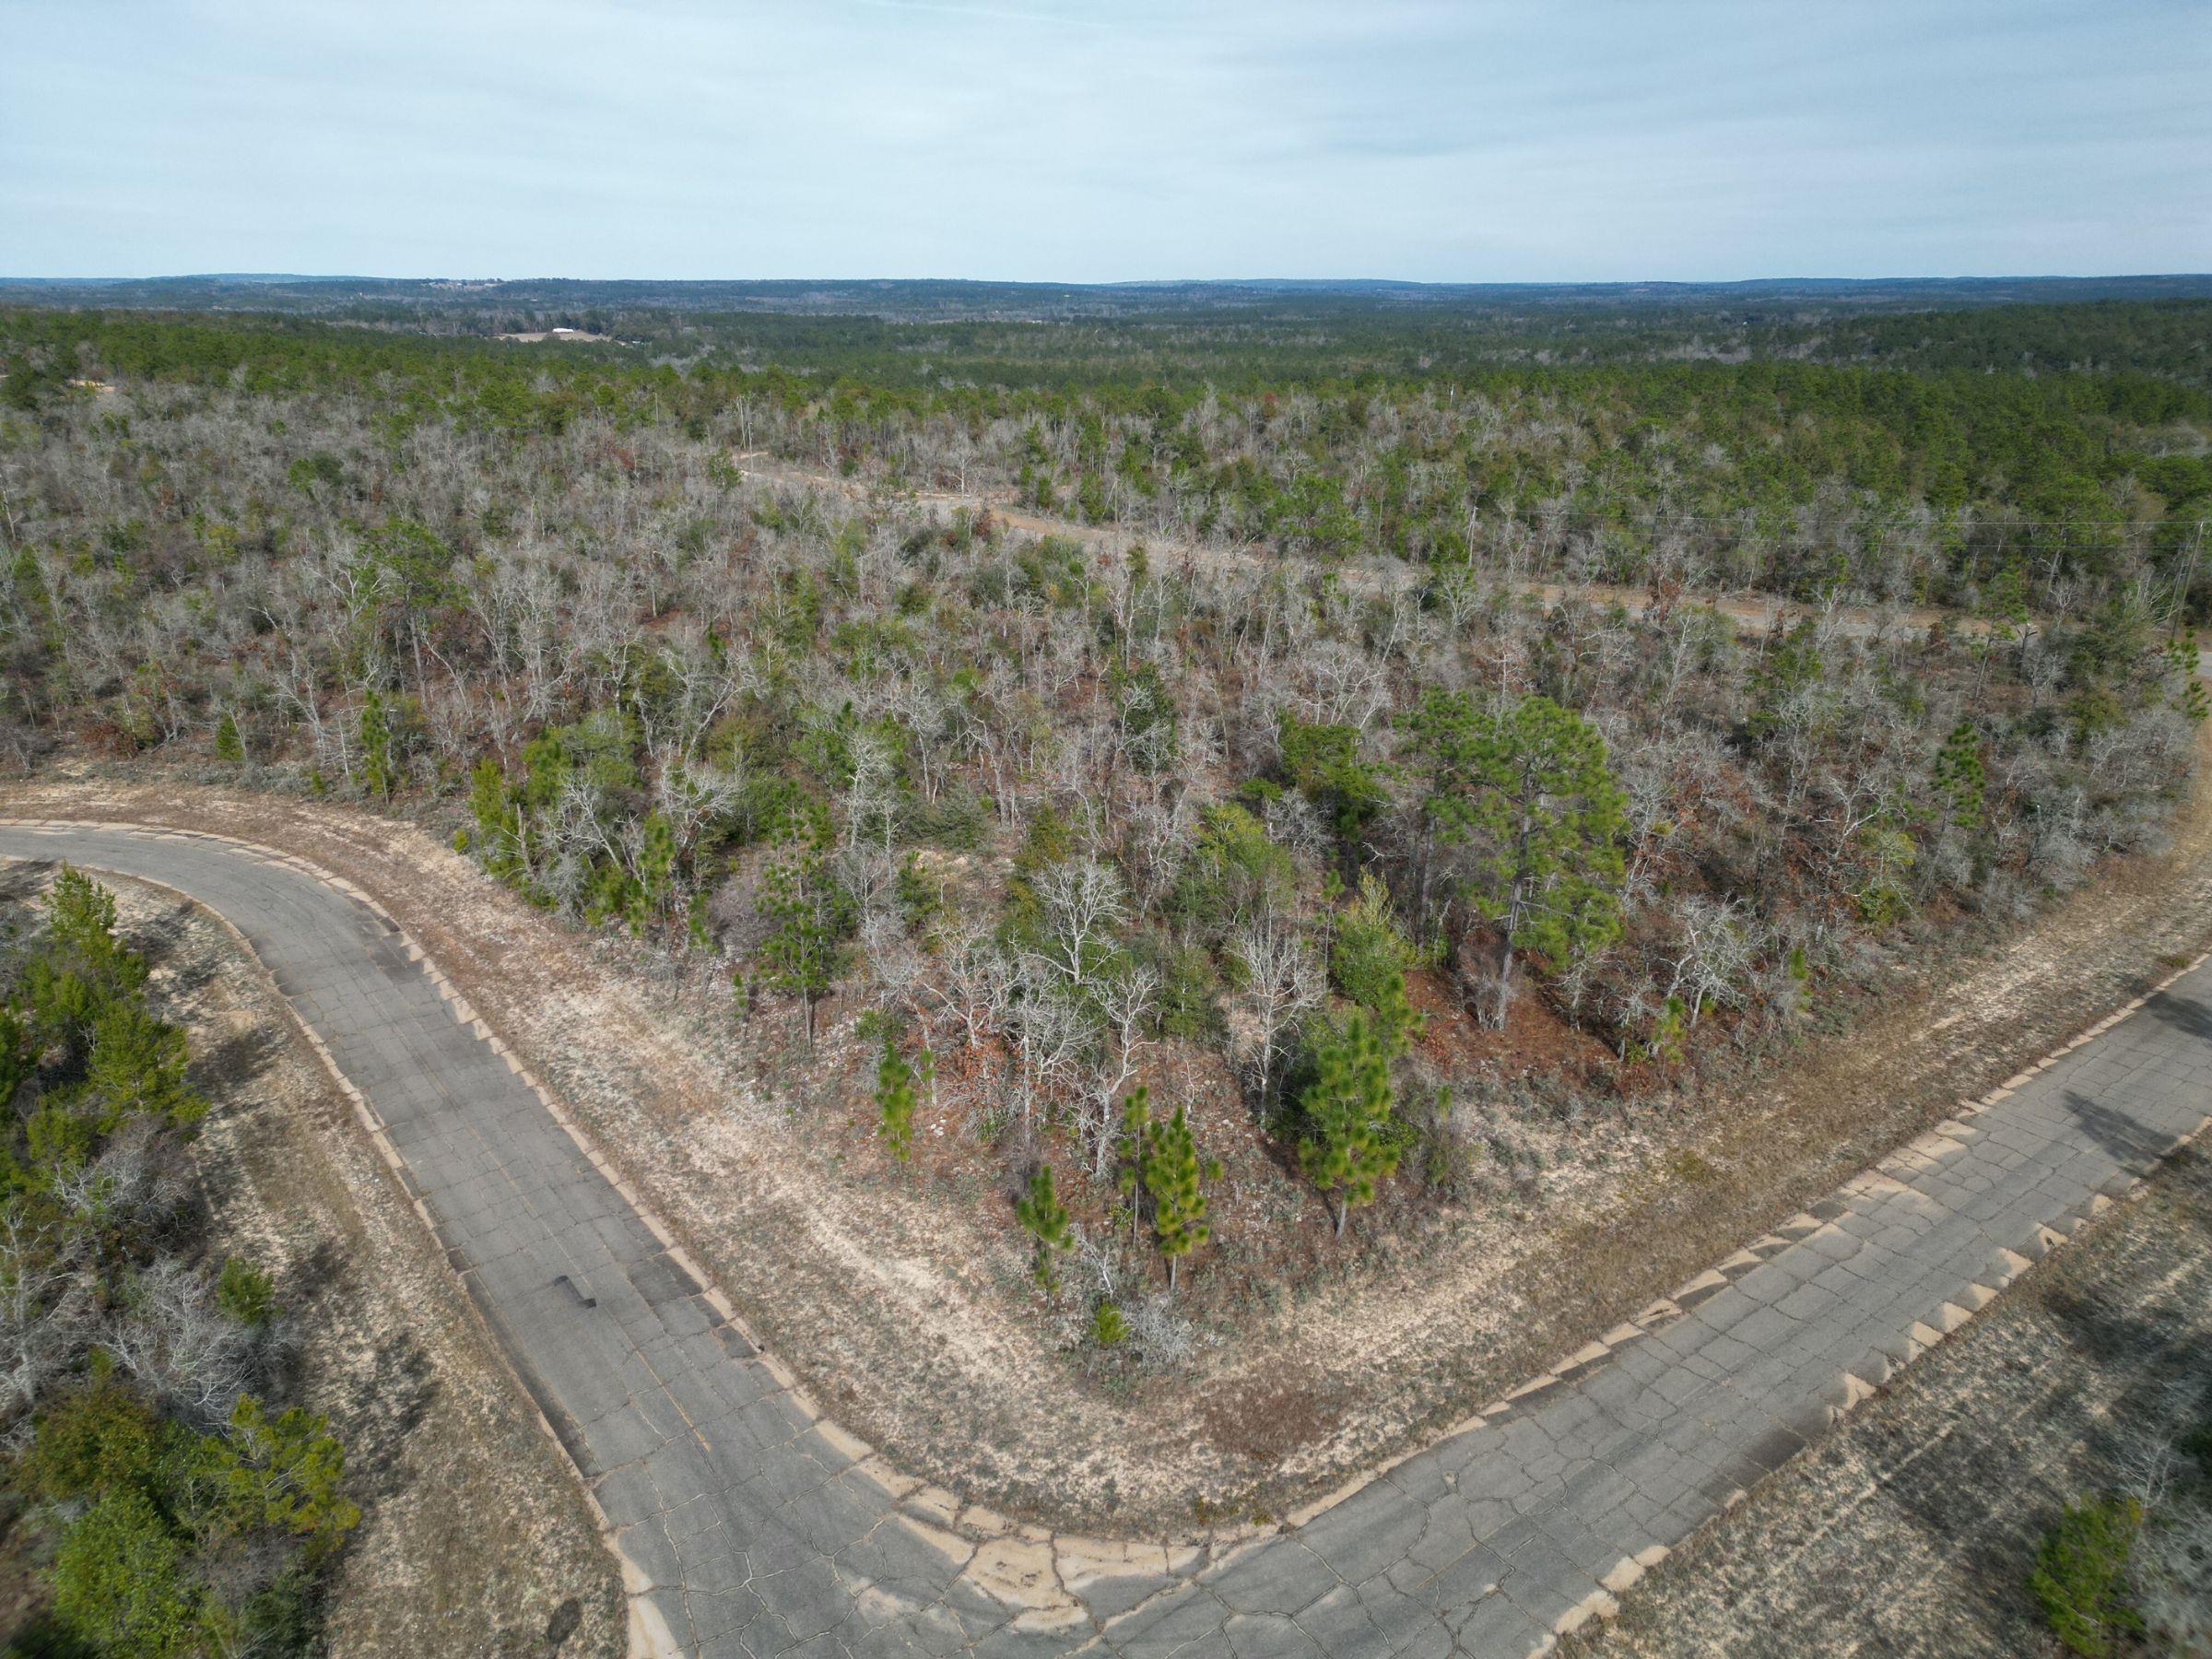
{"x": 2126, "y": 1137}
{"x": 2182, "y": 1012}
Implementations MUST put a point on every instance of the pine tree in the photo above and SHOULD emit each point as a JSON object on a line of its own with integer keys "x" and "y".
{"x": 1172, "y": 1171}
{"x": 657, "y": 870}
{"x": 499, "y": 821}
{"x": 895, "y": 1101}
{"x": 1790, "y": 668}
{"x": 1369, "y": 958}
{"x": 376, "y": 747}
{"x": 1137, "y": 1115}
{"x": 1348, "y": 1112}
{"x": 2191, "y": 698}
{"x": 812, "y": 916}
{"x": 1396, "y": 1018}
{"x": 1045, "y": 1218}
{"x": 1960, "y": 776}
{"x": 228, "y": 744}
{"x": 2004, "y": 602}
{"x": 80, "y": 913}
{"x": 1531, "y": 788}
{"x": 246, "y": 1293}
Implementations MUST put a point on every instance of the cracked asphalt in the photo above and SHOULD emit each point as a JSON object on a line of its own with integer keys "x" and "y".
{"x": 749, "y": 1526}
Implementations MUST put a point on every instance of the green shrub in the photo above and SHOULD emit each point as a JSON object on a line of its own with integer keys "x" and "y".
{"x": 1323, "y": 763}
{"x": 1146, "y": 709}
{"x": 246, "y": 1293}
{"x": 1190, "y": 988}
{"x": 120, "y": 1580}
{"x": 1050, "y": 840}
{"x": 1235, "y": 872}
{"x": 958, "y": 821}
{"x": 184, "y": 1543}
{"x": 2080, "y": 1577}
{"x": 164, "y": 1540}
{"x": 1369, "y": 961}
{"x": 1370, "y": 950}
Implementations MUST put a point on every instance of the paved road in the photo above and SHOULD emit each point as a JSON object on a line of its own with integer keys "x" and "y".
{"x": 751, "y": 1529}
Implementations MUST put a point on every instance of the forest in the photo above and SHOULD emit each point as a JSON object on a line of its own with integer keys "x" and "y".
{"x": 1948, "y": 484}
{"x": 1297, "y": 794}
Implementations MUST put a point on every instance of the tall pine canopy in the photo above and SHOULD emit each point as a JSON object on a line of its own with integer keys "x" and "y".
{"x": 1172, "y": 1170}
{"x": 1529, "y": 789}
{"x": 1348, "y": 1145}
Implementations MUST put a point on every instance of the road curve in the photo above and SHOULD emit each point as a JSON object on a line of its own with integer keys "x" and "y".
{"x": 749, "y": 1526}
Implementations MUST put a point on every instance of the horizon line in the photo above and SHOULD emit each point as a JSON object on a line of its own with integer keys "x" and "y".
{"x": 1126, "y": 282}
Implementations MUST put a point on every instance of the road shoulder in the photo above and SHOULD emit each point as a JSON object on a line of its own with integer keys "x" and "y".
{"x": 1911, "y": 1529}
{"x": 474, "y": 1539}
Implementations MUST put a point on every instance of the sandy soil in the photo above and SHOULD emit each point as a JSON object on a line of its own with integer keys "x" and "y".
{"x": 1751, "y": 612}
{"x": 1910, "y": 1530}
{"x": 905, "y": 1310}
{"x": 474, "y": 1538}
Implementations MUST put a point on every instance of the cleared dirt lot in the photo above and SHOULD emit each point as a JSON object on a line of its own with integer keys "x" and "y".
{"x": 910, "y": 1319}
{"x": 1910, "y": 1530}
{"x": 474, "y": 1538}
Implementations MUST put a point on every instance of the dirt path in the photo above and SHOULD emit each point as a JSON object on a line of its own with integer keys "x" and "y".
{"x": 1752, "y": 613}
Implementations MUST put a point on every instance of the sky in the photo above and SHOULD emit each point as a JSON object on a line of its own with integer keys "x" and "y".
{"x": 1062, "y": 140}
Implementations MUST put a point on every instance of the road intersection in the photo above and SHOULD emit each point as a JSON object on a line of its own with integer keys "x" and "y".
{"x": 748, "y": 1524}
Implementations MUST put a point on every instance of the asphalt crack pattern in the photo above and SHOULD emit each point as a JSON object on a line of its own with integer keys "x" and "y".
{"x": 750, "y": 1525}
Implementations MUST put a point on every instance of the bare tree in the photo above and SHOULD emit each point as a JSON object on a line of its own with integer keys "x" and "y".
{"x": 171, "y": 1337}
{"x": 1083, "y": 903}
{"x": 1124, "y": 1003}
{"x": 1282, "y": 984}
